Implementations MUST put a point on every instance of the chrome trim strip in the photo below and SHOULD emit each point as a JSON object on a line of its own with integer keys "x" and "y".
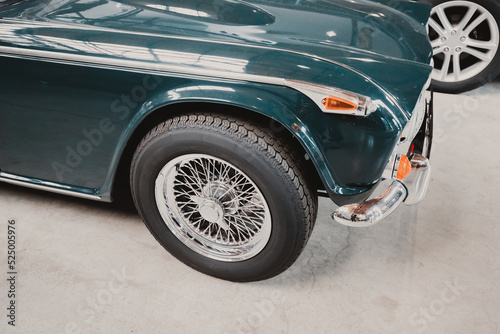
{"x": 315, "y": 92}
{"x": 174, "y": 69}
{"x": 160, "y": 68}
{"x": 43, "y": 185}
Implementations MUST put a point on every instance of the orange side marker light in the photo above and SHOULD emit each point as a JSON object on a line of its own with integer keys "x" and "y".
{"x": 404, "y": 167}
{"x": 336, "y": 103}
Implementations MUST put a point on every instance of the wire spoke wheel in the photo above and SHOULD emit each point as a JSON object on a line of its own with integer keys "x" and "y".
{"x": 224, "y": 196}
{"x": 465, "y": 39}
{"x": 213, "y": 207}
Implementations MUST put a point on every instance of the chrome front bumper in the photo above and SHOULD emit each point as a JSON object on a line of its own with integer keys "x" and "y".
{"x": 411, "y": 190}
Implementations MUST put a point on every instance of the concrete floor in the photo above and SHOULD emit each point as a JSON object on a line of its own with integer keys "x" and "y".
{"x": 88, "y": 267}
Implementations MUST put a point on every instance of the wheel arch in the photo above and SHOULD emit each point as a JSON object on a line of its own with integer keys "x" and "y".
{"x": 118, "y": 188}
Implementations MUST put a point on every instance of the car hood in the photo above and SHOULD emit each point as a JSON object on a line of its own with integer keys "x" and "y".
{"x": 356, "y": 25}
{"x": 380, "y": 43}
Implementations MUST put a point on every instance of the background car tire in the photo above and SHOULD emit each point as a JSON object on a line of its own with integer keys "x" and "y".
{"x": 465, "y": 37}
{"x": 188, "y": 206}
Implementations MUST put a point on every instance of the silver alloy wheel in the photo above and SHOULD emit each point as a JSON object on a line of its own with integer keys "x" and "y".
{"x": 464, "y": 44}
{"x": 213, "y": 207}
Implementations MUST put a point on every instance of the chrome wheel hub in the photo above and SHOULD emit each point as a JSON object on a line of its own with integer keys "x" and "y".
{"x": 222, "y": 190}
{"x": 213, "y": 207}
{"x": 212, "y": 212}
{"x": 465, "y": 39}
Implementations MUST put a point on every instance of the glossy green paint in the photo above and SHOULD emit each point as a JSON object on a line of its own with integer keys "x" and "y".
{"x": 76, "y": 115}
{"x": 419, "y": 13}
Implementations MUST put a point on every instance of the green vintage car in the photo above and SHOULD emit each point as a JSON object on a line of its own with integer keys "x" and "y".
{"x": 224, "y": 119}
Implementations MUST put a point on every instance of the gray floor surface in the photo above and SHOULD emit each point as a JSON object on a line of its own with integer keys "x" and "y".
{"x": 88, "y": 267}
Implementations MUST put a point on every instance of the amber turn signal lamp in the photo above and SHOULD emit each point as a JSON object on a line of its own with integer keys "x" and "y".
{"x": 336, "y": 103}
{"x": 404, "y": 167}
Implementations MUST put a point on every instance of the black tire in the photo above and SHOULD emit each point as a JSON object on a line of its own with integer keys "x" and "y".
{"x": 474, "y": 72}
{"x": 239, "y": 146}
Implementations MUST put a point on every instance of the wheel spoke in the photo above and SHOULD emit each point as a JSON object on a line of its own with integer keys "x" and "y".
{"x": 218, "y": 236}
{"x": 446, "y": 66}
{"x": 444, "y": 19}
{"x": 241, "y": 227}
{"x": 197, "y": 221}
{"x": 475, "y": 23}
{"x": 437, "y": 43}
{"x": 479, "y": 55}
{"x": 438, "y": 50}
{"x": 252, "y": 206}
{"x": 195, "y": 178}
{"x": 434, "y": 25}
{"x": 487, "y": 45}
{"x": 238, "y": 197}
{"x": 467, "y": 17}
{"x": 231, "y": 189}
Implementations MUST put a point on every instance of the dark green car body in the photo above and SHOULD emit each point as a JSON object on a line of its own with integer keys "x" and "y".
{"x": 81, "y": 80}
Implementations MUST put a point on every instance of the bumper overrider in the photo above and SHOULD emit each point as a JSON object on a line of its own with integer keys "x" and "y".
{"x": 410, "y": 175}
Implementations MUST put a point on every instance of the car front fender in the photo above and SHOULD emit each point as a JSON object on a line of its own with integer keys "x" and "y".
{"x": 348, "y": 152}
